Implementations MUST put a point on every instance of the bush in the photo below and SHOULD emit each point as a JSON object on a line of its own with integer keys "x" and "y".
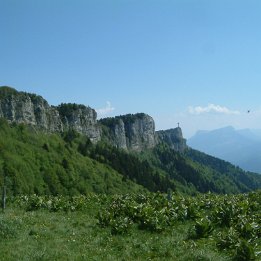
{"x": 8, "y": 229}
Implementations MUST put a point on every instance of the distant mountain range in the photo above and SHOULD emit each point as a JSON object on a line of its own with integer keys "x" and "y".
{"x": 240, "y": 147}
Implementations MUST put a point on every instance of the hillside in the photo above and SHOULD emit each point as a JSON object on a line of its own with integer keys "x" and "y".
{"x": 69, "y": 164}
{"x": 225, "y": 171}
{"x": 197, "y": 171}
{"x": 41, "y": 163}
{"x": 64, "y": 150}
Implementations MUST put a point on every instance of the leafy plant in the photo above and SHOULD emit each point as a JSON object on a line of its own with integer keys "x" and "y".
{"x": 120, "y": 225}
{"x": 8, "y": 228}
{"x": 244, "y": 252}
{"x": 203, "y": 228}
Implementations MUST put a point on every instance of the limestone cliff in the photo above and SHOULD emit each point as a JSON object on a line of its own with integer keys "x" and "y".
{"x": 134, "y": 132}
{"x": 21, "y": 107}
{"x": 80, "y": 118}
{"x": 137, "y": 132}
{"x": 174, "y": 138}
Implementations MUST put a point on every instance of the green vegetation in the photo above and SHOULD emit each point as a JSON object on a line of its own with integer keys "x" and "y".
{"x": 245, "y": 181}
{"x": 127, "y": 119}
{"x": 45, "y": 164}
{"x": 232, "y": 223}
{"x": 70, "y": 199}
{"x": 127, "y": 227}
{"x": 69, "y": 164}
{"x": 132, "y": 167}
{"x": 197, "y": 172}
{"x": 6, "y": 92}
{"x": 66, "y": 109}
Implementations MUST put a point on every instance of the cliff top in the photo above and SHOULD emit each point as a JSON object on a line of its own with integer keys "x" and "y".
{"x": 7, "y": 91}
{"x": 127, "y": 118}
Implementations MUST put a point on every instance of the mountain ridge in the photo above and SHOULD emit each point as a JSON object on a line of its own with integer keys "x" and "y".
{"x": 131, "y": 132}
{"x": 128, "y": 155}
{"x": 240, "y": 147}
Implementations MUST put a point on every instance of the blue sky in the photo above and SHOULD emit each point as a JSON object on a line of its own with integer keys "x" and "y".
{"x": 197, "y": 62}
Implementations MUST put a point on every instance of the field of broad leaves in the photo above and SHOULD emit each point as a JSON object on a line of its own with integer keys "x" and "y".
{"x": 129, "y": 227}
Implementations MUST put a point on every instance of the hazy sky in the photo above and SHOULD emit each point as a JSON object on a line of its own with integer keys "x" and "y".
{"x": 197, "y": 62}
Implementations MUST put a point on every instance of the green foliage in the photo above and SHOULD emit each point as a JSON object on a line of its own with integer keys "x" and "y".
{"x": 69, "y": 164}
{"x": 237, "y": 179}
{"x": 55, "y": 203}
{"x": 110, "y": 122}
{"x": 130, "y": 166}
{"x": 195, "y": 171}
{"x": 44, "y": 234}
{"x": 240, "y": 248}
{"x": 70, "y": 135}
{"x": 203, "y": 228}
{"x": 120, "y": 225}
{"x": 6, "y": 91}
{"x": 244, "y": 252}
{"x": 39, "y": 163}
{"x": 127, "y": 119}
{"x": 238, "y": 232}
{"x": 228, "y": 239}
{"x": 67, "y": 109}
{"x": 8, "y": 228}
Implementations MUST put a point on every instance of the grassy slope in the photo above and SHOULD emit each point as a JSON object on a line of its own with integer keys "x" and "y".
{"x": 206, "y": 227}
{"x": 43, "y": 235}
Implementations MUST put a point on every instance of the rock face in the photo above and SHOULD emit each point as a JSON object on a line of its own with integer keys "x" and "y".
{"x": 119, "y": 140}
{"x": 174, "y": 138}
{"x": 134, "y": 132}
{"x": 80, "y": 118}
{"x": 21, "y": 107}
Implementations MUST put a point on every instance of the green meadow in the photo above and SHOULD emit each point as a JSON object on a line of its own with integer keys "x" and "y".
{"x": 150, "y": 226}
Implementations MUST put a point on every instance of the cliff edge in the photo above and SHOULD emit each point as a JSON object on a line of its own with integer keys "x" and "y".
{"x": 134, "y": 132}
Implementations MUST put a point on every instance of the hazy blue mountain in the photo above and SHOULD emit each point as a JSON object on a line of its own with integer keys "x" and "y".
{"x": 240, "y": 147}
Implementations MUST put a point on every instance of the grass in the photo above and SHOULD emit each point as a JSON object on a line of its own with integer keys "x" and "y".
{"x": 45, "y": 235}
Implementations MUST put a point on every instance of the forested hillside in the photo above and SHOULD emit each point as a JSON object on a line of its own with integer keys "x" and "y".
{"x": 200, "y": 172}
{"x": 36, "y": 162}
{"x": 68, "y": 163}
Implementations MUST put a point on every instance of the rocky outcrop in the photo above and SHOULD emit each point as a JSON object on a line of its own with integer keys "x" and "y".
{"x": 21, "y": 107}
{"x": 119, "y": 139}
{"x": 174, "y": 138}
{"x": 80, "y": 118}
{"x": 134, "y": 132}
{"x": 137, "y": 132}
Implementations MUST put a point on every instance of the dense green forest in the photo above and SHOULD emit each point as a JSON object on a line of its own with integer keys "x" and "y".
{"x": 68, "y": 163}
{"x": 243, "y": 180}
{"x": 41, "y": 163}
{"x": 202, "y": 172}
